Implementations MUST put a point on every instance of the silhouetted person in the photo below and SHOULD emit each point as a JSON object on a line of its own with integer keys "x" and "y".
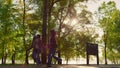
{"x": 36, "y": 45}
{"x": 52, "y": 45}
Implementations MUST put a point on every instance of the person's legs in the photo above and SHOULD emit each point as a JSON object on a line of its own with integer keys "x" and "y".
{"x": 57, "y": 58}
{"x": 34, "y": 55}
{"x": 49, "y": 58}
{"x": 52, "y": 54}
{"x": 38, "y": 57}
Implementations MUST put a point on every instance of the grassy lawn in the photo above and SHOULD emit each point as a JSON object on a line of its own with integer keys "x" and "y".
{"x": 58, "y": 66}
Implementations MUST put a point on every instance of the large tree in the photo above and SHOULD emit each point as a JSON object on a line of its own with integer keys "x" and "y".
{"x": 41, "y": 16}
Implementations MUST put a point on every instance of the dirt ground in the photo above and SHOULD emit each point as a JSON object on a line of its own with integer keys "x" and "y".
{"x": 59, "y": 66}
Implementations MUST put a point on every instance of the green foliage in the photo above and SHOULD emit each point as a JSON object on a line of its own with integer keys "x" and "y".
{"x": 12, "y": 28}
{"x": 109, "y": 21}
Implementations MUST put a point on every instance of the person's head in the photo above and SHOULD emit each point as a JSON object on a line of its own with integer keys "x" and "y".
{"x": 53, "y": 33}
{"x": 37, "y": 36}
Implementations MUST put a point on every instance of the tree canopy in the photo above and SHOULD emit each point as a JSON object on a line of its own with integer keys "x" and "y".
{"x": 109, "y": 21}
{"x": 20, "y": 20}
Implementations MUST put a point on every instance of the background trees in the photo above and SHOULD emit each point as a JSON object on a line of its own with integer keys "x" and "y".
{"x": 22, "y": 19}
{"x": 109, "y": 21}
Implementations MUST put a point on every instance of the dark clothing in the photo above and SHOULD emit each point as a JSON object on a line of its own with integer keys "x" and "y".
{"x": 36, "y": 56}
{"x": 52, "y": 50}
{"x": 36, "y": 45}
{"x": 52, "y": 54}
{"x": 52, "y": 43}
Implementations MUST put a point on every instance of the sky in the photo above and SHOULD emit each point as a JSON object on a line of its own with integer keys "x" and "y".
{"x": 94, "y": 4}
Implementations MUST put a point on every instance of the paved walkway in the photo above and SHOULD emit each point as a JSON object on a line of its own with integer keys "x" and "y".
{"x": 60, "y": 66}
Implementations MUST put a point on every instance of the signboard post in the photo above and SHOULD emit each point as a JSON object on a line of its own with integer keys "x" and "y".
{"x": 92, "y": 49}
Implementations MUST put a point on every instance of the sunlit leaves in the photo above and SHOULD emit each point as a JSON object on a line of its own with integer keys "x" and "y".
{"x": 109, "y": 21}
{"x": 64, "y": 3}
{"x": 11, "y": 26}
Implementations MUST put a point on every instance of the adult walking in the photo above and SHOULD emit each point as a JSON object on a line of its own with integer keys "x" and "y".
{"x": 36, "y": 45}
{"x": 52, "y": 45}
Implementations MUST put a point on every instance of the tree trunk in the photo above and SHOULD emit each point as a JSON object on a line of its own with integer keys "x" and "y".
{"x": 24, "y": 32}
{"x": 3, "y": 54}
{"x": 105, "y": 42}
{"x": 26, "y": 58}
{"x": 59, "y": 55}
{"x": 44, "y": 29}
{"x": 13, "y": 58}
{"x": 67, "y": 61}
{"x": 59, "y": 33}
{"x": 4, "y": 57}
{"x": 2, "y": 60}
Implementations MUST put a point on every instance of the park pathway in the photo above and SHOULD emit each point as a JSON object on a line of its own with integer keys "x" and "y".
{"x": 59, "y": 66}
